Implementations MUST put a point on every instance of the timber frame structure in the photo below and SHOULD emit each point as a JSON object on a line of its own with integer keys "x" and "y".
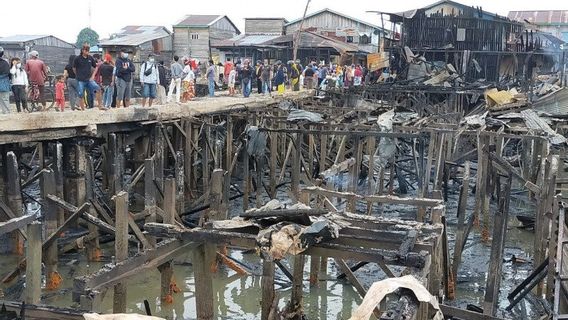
{"x": 160, "y": 178}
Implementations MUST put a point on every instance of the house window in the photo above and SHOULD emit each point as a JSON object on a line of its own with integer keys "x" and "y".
{"x": 349, "y": 39}
{"x": 195, "y": 36}
{"x": 365, "y": 39}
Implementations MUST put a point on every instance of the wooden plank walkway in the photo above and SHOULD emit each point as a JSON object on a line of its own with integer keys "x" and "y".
{"x": 26, "y": 127}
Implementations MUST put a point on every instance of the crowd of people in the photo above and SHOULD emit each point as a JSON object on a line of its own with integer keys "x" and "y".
{"x": 103, "y": 82}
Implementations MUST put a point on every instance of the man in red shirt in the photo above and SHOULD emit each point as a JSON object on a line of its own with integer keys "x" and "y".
{"x": 37, "y": 74}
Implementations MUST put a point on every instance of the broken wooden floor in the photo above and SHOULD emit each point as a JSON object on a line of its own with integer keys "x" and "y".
{"x": 158, "y": 168}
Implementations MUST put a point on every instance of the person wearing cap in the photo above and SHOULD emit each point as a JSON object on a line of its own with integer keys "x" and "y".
{"x": 84, "y": 67}
{"x": 149, "y": 78}
{"x": 4, "y": 84}
{"x": 37, "y": 74}
{"x": 123, "y": 79}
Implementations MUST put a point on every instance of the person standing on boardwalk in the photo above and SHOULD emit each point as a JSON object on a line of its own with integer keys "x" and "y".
{"x": 247, "y": 74}
{"x": 231, "y": 81}
{"x": 176, "y": 72}
{"x": 188, "y": 83}
{"x": 149, "y": 78}
{"x": 71, "y": 80}
{"x": 60, "y": 93}
{"x": 161, "y": 88}
{"x": 106, "y": 70}
{"x": 37, "y": 74}
{"x": 4, "y": 84}
{"x": 19, "y": 84}
{"x": 211, "y": 78}
{"x": 123, "y": 79}
{"x": 84, "y": 67}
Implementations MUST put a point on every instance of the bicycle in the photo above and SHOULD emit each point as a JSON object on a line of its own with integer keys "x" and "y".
{"x": 34, "y": 103}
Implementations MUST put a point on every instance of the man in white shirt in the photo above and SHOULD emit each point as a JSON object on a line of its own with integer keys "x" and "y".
{"x": 149, "y": 78}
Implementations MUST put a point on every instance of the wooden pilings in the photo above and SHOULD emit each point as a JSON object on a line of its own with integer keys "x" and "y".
{"x": 120, "y": 248}
{"x": 14, "y": 197}
{"x": 33, "y": 261}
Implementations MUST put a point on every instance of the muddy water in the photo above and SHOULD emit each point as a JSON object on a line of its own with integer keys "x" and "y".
{"x": 239, "y": 297}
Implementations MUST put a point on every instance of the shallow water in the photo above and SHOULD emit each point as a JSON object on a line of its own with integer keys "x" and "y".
{"x": 238, "y": 297}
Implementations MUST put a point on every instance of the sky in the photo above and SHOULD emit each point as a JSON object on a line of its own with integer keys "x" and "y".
{"x": 65, "y": 18}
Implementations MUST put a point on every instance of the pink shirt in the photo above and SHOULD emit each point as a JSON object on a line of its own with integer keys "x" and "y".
{"x": 60, "y": 90}
{"x": 37, "y": 71}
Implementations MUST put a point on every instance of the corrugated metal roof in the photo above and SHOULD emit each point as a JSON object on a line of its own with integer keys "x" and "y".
{"x": 141, "y": 29}
{"x": 198, "y": 20}
{"x": 336, "y": 13}
{"x": 554, "y": 104}
{"x": 245, "y": 41}
{"x": 21, "y": 38}
{"x": 134, "y": 39}
{"x": 542, "y": 17}
{"x": 313, "y": 40}
{"x": 533, "y": 121}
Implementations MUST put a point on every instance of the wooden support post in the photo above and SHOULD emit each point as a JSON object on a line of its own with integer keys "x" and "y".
{"x": 166, "y": 278}
{"x": 246, "y": 177}
{"x": 371, "y": 146}
{"x": 205, "y": 158}
{"x": 297, "y": 284}
{"x": 169, "y": 201}
{"x": 188, "y": 156}
{"x": 218, "y": 209}
{"x": 159, "y": 159}
{"x": 497, "y": 248}
{"x": 323, "y": 153}
{"x": 460, "y": 236}
{"x": 311, "y": 147}
{"x": 315, "y": 264}
{"x": 59, "y": 180}
{"x": 259, "y": 186}
{"x": 112, "y": 152}
{"x": 14, "y": 197}
{"x": 53, "y": 279}
{"x": 33, "y": 263}
{"x": 203, "y": 282}
{"x": 228, "y": 159}
{"x": 273, "y": 163}
{"x": 93, "y": 248}
{"x": 295, "y": 184}
{"x": 121, "y": 248}
{"x": 150, "y": 195}
{"x": 180, "y": 183}
{"x": 268, "y": 294}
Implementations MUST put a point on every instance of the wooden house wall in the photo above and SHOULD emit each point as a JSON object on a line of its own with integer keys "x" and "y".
{"x": 264, "y": 26}
{"x": 55, "y": 58}
{"x": 432, "y": 32}
{"x": 328, "y": 21}
{"x": 52, "y": 42}
{"x": 195, "y": 48}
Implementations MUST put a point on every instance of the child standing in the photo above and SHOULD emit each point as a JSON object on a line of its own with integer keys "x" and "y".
{"x": 231, "y": 81}
{"x": 60, "y": 92}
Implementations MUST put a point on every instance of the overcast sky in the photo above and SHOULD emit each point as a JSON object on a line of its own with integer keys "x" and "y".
{"x": 65, "y": 18}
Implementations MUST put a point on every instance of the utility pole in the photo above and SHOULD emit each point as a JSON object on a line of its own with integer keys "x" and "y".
{"x": 298, "y": 34}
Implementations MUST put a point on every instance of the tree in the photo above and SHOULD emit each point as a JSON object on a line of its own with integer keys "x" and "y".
{"x": 87, "y": 35}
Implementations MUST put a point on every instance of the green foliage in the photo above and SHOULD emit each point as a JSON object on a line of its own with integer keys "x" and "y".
{"x": 87, "y": 35}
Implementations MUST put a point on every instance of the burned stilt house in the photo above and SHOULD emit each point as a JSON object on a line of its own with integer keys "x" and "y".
{"x": 479, "y": 44}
